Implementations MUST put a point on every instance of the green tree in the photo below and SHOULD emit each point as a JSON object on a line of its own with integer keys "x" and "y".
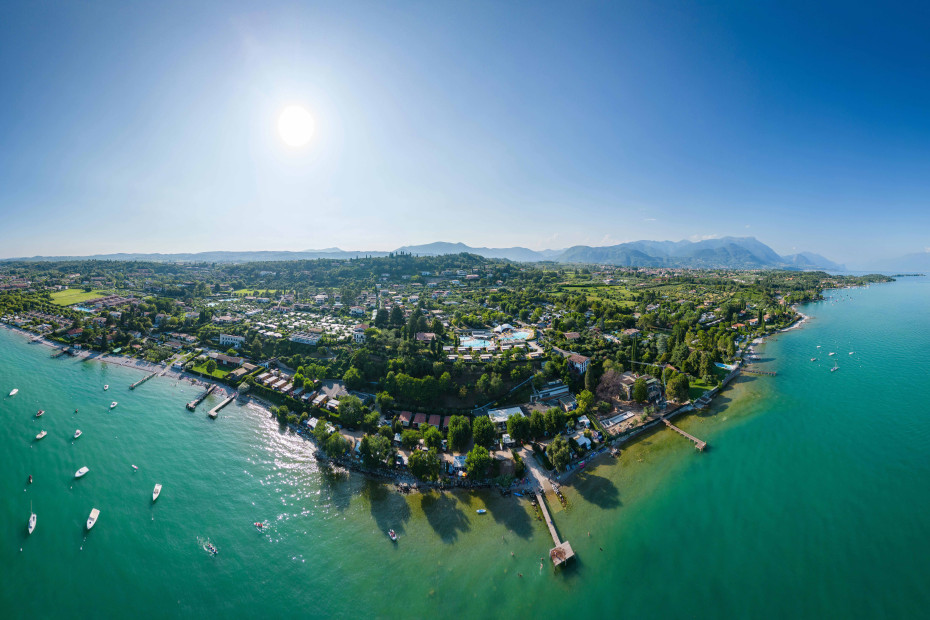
{"x": 410, "y": 438}
{"x": 354, "y": 379}
{"x": 335, "y": 445}
{"x": 640, "y": 393}
{"x": 585, "y": 400}
{"x": 678, "y": 387}
{"x": 424, "y": 465}
{"x": 590, "y": 382}
{"x": 518, "y": 427}
{"x": 477, "y": 462}
{"x": 559, "y": 453}
{"x": 459, "y": 433}
{"x": 375, "y": 450}
{"x": 537, "y": 423}
{"x": 211, "y": 367}
{"x": 555, "y": 420}
{"x": 351, "y": 411}
{"x": 385, "y": 402}
{"x": 432, "y": 438}
{"x": 483, "y": 430}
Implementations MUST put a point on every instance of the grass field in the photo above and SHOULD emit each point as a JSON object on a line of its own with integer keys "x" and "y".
{"x": 217, "y": 374}
{"x": 74, "y": 296}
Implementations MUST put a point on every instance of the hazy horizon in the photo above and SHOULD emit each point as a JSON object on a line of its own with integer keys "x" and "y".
{"x": 157, "y": 128}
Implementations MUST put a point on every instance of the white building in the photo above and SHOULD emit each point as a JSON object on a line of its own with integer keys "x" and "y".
{"x": 227, "y": 340}
{"x": 311, "y": 337}
{"x": 500, "y": 416}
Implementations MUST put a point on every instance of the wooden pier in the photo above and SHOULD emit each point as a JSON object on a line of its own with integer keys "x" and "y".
{"x": 142, "y": 380}
{"x": 216, "y": 410}
{"x": 193, "y": 404}
{"x": 60, "y": 352}
{"x": 760, "y": 372}
{"x": 562, "y": 552}
{"x": 700, "y": 445}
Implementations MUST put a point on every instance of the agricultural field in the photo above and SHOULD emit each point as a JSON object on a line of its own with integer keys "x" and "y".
{"x": 73, "y": 296}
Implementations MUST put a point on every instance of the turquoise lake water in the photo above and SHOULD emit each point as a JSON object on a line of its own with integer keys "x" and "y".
{"x": 812, "y": 500}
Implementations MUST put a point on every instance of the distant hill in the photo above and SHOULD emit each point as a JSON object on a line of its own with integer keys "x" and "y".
{"x": 917, "y": 262}
{"x": 723, "y": 253}
{"x": 523, "y": 255}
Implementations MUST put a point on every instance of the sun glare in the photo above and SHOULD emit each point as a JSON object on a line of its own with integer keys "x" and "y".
{"x": 295, "y": 126}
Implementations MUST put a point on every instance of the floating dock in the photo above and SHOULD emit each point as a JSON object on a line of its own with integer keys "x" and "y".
{"x": 216, "y": 410}
{"x": 142, "y": 380}
{"x": 562, "y": 552}
{"x": 193, "y": 404}
{"x": 700, "y": 445}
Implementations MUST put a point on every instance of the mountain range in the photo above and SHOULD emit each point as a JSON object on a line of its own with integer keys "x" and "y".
{"x": 722, "y": 253}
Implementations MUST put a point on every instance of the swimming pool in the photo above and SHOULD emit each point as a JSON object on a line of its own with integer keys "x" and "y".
{"x": 514, "y": 336}
{"x": 475, "y": 343}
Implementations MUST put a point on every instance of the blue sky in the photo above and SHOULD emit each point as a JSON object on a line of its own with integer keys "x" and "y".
{"x": 152, "y": 126}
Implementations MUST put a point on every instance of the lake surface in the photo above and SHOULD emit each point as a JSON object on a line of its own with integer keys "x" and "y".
{"x": 811, "y": 501}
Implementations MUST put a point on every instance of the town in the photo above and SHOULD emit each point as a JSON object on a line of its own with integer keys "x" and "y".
{"x": 451, "y": 370}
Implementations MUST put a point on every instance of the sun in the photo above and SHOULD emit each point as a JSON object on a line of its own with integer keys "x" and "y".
{"x": 295, "y": 126}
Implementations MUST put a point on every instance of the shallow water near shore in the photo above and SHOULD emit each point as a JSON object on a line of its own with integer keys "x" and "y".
{"x": 810, "y": 501}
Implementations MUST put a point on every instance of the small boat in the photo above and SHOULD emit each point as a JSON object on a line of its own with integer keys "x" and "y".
{"x": 41, "y": 435}
{"x": 113, "y": 404}
{"x": 39, "y": 413}
{"x": 156, "y": 492}
{"x": 835, "y": 367}
{"x": 14, "y": 392}
{"x": 392, "y": 535}
{"x": 134, "y": 468}
{"x": 831, "y": 353}
{"x": 30, "y": 478}
{"x": 259, "y": 525}
{"x": 82, "y": 471}
{"x": 851, "y": 352}
{"x": 94, "y": 513}
{"x": 32, "y": 519}
{"x": 77, "y": 433}
{"x": 518, "y": 493}
{"x": 813, "y": 359}
{"x": 106, "y": 387}
{"x": 481, "y": 511}
{"x": 210, "y": 548}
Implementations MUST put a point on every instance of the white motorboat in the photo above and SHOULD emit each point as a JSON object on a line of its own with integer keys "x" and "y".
{"x": 32, "y": 519}
{"x": 392, "y": 535}
{"x": 113, "y": 404}
{"x": 82, "y": 471}
{"x": 14, "y": 392}
{"x": 831, "y": 353}
{"x": 77, "y": 433}
{"x": 156, "y": 492}
{"x": 41, "y": 435}
{"x": 481, "y": 511}
{"x": 40, "y": 413}
{"x": 94, "y": 513}
{"x": 106, "y": 387}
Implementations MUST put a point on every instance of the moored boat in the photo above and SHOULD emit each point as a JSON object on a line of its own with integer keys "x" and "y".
{"x": 77, "y": 433}
{"x": 14, "y": 392}
{"x": 39, "y": 413}
{"x": 32, "y": 519}
{"x": 392, "y": 535}
{"x": 41, "y": 434}
{"x": 81, "y": 472}
{"x": 106, "y": 387}
{"x": 481, "y": 511}
{"x": 113, "y": 404}
{"x": 94, "y": 513}
{"x": 156, "y": 492}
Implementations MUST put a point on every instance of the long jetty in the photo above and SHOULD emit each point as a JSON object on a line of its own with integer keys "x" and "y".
{"x": 193, "y": 404}
{"x": 216, "y": 410}
{"x": 59, "y": 352}
{"x": 700, "y": 445}
{"x": 760, "y": 372}
{"x": 562, "y": 551}
{"x": 142, "y": 380}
